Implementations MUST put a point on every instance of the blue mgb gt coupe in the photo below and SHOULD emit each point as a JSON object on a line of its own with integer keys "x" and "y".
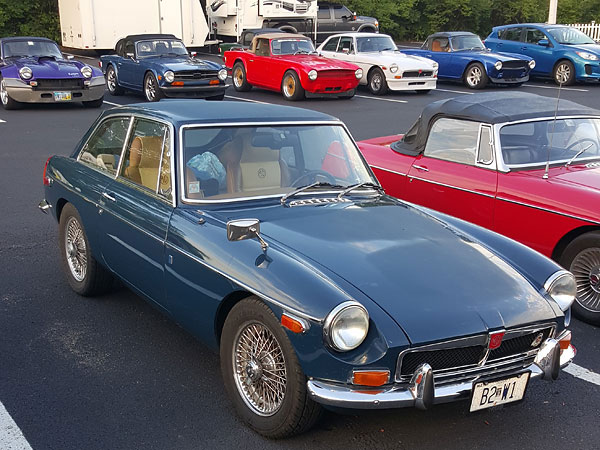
{"x": 159, "y": 65}
{"x": 262, "y": 231}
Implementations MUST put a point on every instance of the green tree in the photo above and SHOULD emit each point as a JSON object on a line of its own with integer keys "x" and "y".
{"x": 29, "y": 18}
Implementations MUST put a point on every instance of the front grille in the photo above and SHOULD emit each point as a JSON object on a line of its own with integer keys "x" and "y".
{"x": 516, "y": 64}
{"x": 417, "y": 73}
{"x": 195, "y": 75}
{"x": 66, "y": 83}
{"x": 455, "y": 362}
{"x": 335, "y": 73}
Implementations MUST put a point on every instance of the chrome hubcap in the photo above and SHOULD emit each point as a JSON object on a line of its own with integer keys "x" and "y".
{"x": 563, "y": 73}
{"x": 111, "y": 80}
{"x": 289, "y": 86}
{"x": 259, "y": 369}
{"x": 586, "y": 268}
{"x": 474, "y": 77}
{"x": 376, "y": 82}
{"x": 150, "y": 89}
{"x": 3, "y": 93}
{"x": 75, "y": 249}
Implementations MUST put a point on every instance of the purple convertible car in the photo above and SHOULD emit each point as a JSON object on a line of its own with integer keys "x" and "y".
{"x": 33, "y": 70}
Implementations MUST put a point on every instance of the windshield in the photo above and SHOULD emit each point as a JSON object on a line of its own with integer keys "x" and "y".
{"x": 374, "y": 44}
{"x": 291, "y": 46}
{"x": 531, "y": 143}
{"x": 569, "y": 36}
{"x": 467, "y": 42}
{"x": 273, "y": 160}
{"x": 31, "y": 48}
{"x": 160, "y": 47}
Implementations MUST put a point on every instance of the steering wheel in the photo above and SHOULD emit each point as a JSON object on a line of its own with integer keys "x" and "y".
{"x": 312, "y": 177}
{"x": 581, "y": 145}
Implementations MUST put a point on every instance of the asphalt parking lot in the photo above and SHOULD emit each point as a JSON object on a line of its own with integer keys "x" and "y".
{"x": 113, "y": 373}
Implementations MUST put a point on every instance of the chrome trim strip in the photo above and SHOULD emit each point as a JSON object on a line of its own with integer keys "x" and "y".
{"x": 243, "y": 285}
{"x": 548, "y": 210}
{"x": 387, "y": 170}
{"x": 452, "y": 187}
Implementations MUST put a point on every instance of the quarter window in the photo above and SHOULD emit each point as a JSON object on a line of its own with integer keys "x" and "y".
{"x": 486, "y": 155}
{"x": 103, "y": 148}
{"x": 453, "y": 140}
{"x": 331, "y": 45}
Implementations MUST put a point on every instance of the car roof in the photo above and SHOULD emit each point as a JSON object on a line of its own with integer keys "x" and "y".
{"x": 187, "y": 111}
{"x": 282, "y": 35}
{"x": 451, "y": 34}
{"x": 262, "y": 30}
{"x": 25, "y": 38}
{"x": 540, "y": 25}
{"x": 492, "y": 108}
{"x": 358, "y": 34}
{"x": 143, "y": 37}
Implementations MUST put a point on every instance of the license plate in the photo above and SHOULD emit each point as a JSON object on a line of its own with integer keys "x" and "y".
{"x": 62, "y": 96}
{"x": 498, "y": 392}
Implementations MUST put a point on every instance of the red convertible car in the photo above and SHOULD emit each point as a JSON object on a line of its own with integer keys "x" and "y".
{"x": 289, "y": 63}
{"x": 506, "y": 162}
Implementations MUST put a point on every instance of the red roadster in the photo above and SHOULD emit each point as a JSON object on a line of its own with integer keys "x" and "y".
{"x": 506, "y": 162}
{"x": 289, "y": 63}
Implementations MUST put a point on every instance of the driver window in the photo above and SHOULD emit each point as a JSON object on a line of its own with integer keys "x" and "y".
{"x": 346, "y": 45}
{"x": 103, "y": 148}
{"x": 440, "y": 45}
{"x": 534, "y": 35}
{"x": 453, "y": 140}
{"x": 129, "y": 48}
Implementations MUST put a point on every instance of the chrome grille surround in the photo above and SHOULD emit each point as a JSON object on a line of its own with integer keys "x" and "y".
{"x": 485, "y": 366}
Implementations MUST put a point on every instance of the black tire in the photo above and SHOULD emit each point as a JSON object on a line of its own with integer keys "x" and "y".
{"x": 238, "y": 75}
{"x": 291, "y": 88}
{"x": 582, "y": 258}
{"x": 5, "y": 100}
{"x": 152, "y": 91}
{"x": 376, "y": 81}
{"x": 112, "y": 82}
{"x": 423, "y": 91}
{"x": 216, "y": 97}
{"x": 93, "y": 279}
{"x": 295, "y": 412}
{"x": 94, "y": 103}
{"x": 564, "y": 70}
{"x": 475, "y": 76}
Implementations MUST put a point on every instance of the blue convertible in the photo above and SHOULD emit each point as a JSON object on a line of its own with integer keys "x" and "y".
{"x": 463, "y": 57}
{"x": 33, "y": 70}
{"x": 262, "y": 231}
{"x": 159, "y": 66}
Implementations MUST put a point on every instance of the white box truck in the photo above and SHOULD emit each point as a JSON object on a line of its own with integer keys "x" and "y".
{"x": 99, "y": 24}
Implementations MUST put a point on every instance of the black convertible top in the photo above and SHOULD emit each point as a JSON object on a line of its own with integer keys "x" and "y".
{"x": 143, "y": 37}
{"x": 488, "y": 107}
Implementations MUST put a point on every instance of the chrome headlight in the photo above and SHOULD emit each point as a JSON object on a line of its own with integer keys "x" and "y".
{"x": 498, "y": 65}
{"x": 312, "y": 75}
{"x": 346, "y": 326}
{"x": 532, "y": 64}
{"x": 394, "y": 68}
{"x": 86, "y": 71}
{"x": 561, "y": 286}
{"x": 588, "y": 56}
{"x": 222, "y": 74}
{"x": 25, "y": 73}
{"x": 358, "y": 73}
{"x": 169, "y": 76}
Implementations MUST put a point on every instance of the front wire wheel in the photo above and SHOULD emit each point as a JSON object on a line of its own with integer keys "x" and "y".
{"x": 261, "y": 372}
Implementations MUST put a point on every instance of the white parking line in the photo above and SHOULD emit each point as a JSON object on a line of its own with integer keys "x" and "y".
{"x": 456, "y": 92}
{"x": 2, "y": 121}
{"x": 583, "y": 373}
{"x": 553, "y": 87}
{"x": 382, "y": 99}
{"x": 113, "y": 104}
{"x": 11, "y": 436}
{"x": 247, "y": 100}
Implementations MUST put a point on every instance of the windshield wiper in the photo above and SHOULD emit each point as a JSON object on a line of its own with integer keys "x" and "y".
{"x": 307, "y": 187}
{"x": 301, "y": 52}
{"x": 577, "y": 155}
{"x": 359, "y": 185}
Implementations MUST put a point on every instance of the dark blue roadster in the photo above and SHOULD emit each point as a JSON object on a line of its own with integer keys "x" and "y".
{"x": 160, "y": 66}
{"x": 262, "y": 231}
{"x": 463, "y": 57}
{"x": 33, "y": 70}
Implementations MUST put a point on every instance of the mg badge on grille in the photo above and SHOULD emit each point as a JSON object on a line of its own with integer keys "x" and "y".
{"x": 538, "y": 340}
{"x": 495, "y": 339}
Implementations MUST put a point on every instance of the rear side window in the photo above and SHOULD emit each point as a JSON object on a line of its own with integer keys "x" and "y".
{"x": 453, "y": 140}
{"x": 331, "y": 45}
{"x": 510, "y": 34}
{"x": 103, "y": 148}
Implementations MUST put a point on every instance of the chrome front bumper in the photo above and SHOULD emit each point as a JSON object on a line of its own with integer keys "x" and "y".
{"x": 412, "y": 84}
{"x": 22, "y": 92}
{"x": 421, "y": 392}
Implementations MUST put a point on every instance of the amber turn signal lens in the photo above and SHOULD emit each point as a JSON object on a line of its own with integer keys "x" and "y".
{"x": 295, "y": 326}
{"x": 370, "y": 377}
{"x": 214, "y": 82}
{"x": 177, "y": 83}
{"x": 565, "y": 341}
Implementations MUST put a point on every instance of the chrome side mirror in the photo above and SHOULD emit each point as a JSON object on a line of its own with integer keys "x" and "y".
{"x": 70, "y": 57}
{"x": 242, "y": 229}
{"x": 129, "y": 55}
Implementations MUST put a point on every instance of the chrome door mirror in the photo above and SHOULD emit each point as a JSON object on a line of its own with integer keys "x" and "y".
{"x": 130, "y": 55}
{"x": 242, "y": 229}
{"x": 70, "y": 57}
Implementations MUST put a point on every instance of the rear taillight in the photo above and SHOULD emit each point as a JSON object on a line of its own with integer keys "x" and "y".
{"x": 46, "y": 180}
{"x": 100, "y": 64}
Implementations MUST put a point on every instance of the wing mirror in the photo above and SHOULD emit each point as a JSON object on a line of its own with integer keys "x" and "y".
{"x": 130, "y": 55}
{"x": 70, "y": 57}
{"x": 193, "y": 54}
{"x": 543, "y": 42}
{"x": 242, "y": 229}
{"x": 346, "y": 50}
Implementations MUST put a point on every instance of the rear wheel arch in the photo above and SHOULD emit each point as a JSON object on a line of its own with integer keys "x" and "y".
{"x": 564, "y": 242}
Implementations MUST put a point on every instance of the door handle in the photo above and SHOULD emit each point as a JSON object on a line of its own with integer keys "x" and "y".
{"x": 421, "y": 168}
{"x": 109, "y": 197}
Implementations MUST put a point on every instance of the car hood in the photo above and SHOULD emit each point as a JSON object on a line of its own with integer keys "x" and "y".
{"x": 180, "y": 64}
{"x": 52, "y": 68}
{"x": 316, "y": 62}
{"x": 433, "y": 280}
{"x": 404, "y": 61}
{"x": 495, "y": 56}
{"x": 590, "y": 48}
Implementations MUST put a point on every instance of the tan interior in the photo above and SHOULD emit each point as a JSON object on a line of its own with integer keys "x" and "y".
{"x": 144, "y": 161}
{"x": 436, "y": 46}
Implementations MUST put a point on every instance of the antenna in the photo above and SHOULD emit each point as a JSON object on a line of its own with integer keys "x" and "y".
{"x": 545, "y": 177}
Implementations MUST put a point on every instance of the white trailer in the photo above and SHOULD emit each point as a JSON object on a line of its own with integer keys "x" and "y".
{"x": 228, "y": 18}
{"x": 99, "y": 24}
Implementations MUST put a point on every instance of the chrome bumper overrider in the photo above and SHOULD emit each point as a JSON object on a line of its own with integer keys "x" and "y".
{"x": 421, "y": 392}
{"x": 44, "y": 206}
